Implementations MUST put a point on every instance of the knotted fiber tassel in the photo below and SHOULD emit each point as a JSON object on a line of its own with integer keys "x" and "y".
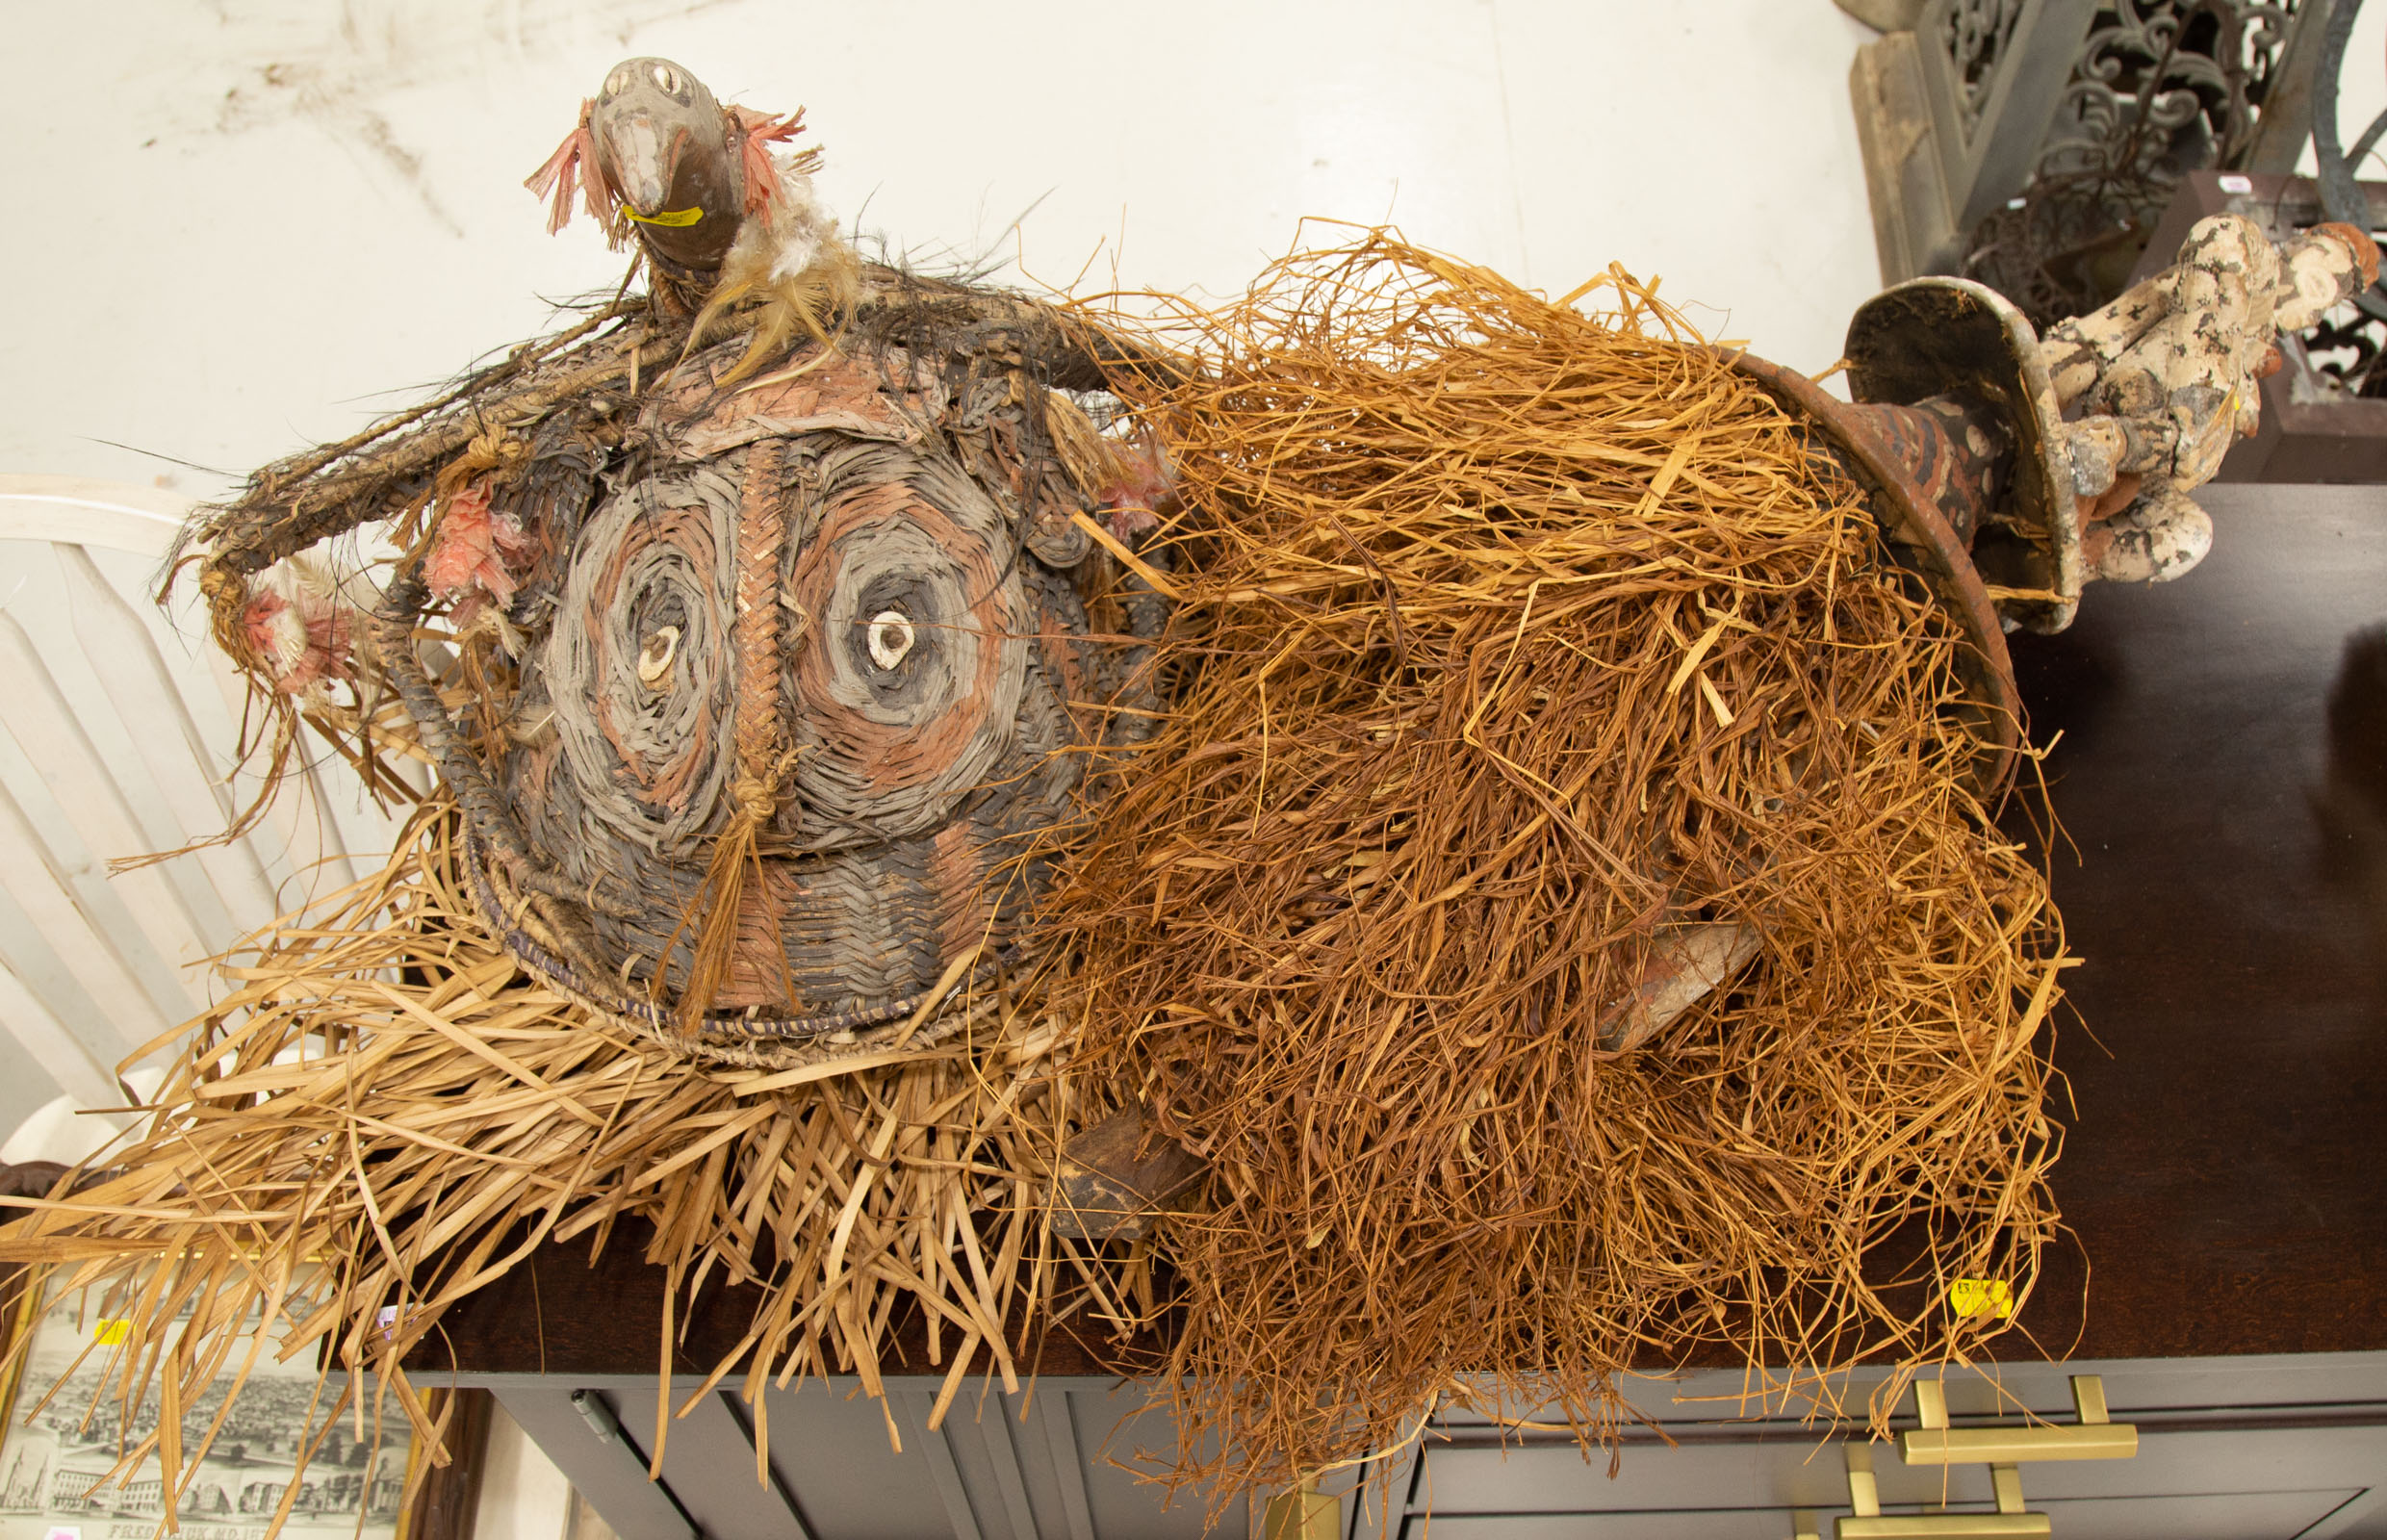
{"x": 574, "y": 167}
{"x": 736, "y": 853}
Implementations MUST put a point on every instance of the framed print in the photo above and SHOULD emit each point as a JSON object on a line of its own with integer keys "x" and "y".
{"x": 60, "y": 1476}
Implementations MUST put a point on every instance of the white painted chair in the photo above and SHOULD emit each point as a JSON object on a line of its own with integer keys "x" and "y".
{"x": 117, "y": 732}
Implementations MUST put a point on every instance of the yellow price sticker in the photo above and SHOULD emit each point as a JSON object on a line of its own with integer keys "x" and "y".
{"x": 1981, "y": 1297}
{"x": 111, "y": 1333}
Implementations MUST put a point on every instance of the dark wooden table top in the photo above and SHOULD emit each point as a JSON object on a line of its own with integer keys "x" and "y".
{"x": 2221, "y": 775}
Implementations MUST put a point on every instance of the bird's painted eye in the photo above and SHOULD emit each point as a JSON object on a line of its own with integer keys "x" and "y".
{"x": 667, "y": 78}
{"x": 891, "y": 637}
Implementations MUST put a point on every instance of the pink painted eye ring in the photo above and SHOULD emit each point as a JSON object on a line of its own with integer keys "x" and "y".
{"x": 911, "y": 703}
{"x": 643, "y": 638}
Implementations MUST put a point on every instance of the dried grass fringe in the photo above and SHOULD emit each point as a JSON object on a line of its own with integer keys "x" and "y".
{"x": 384, "y": 1093}
{"x": 1512, "y": 635}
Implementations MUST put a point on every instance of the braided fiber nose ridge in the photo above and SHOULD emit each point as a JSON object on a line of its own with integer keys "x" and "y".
{"x": 735, "y": 918}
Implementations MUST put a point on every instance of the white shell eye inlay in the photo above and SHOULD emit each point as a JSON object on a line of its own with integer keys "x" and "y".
{"x": 891, "y": 637}
{"x": 655, "y": 658}
{"x": 666, "y": 78}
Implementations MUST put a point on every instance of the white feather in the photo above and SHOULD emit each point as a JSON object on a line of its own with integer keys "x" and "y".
{"x": 787, "y": 236}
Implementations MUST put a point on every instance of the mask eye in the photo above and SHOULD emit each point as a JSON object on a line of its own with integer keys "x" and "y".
{"x": 668, "y": 78}
{"x": 891, "y": 637}
{"x": 617, "y": 83}
{"x": 655, "y": 658}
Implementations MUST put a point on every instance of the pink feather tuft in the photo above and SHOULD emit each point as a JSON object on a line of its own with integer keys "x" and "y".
{"x": 756, "y": 131}
{"x": 1140, "y": 484}
{"x": 476, "y": 553}
{"x": 574, "y": 163}
{"x": 305, "y": 642}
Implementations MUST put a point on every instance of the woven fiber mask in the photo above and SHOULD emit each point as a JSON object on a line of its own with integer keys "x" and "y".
{"x": 804, "y": 696}
{"x": 766, "y": 697}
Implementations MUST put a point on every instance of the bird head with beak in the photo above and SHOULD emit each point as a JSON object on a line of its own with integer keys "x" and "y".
{"x": 655, "y": 153}
{"x": 667, "y": 149}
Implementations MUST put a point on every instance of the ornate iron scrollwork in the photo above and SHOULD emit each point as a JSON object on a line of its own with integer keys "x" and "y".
{"x": 2347, "y": 347}
{"x": 2160, "y": 88}
{"x": 1977, "y": 34}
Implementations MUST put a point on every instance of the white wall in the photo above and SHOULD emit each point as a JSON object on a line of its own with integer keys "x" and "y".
{"x": 240, "y": 226}
{"x": 523, "y": 1496}
{"x": 2362, "y": 89}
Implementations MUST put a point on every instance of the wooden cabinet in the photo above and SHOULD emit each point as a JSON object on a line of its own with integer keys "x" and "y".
{"x": 1048, "y": 1462}
{"x": 2255, "y": 1449}
{"x": 2246, "y": 1448}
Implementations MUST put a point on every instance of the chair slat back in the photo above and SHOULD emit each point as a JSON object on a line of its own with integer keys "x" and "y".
{"x": 124, "y": 736}
{"x": 133, "y": 671}
{"x": 85, "y": 787}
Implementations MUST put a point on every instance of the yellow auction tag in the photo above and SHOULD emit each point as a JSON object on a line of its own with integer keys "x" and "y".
{"x": 1981, "y": 1297}
{"x": 676, "y": 219}
{"x": 111, "y": 1333}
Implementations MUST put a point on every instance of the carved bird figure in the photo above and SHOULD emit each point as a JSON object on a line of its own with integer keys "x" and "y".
{"x": 721, "y": 211}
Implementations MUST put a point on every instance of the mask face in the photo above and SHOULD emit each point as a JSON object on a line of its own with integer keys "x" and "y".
{"x": 800, "y": 600}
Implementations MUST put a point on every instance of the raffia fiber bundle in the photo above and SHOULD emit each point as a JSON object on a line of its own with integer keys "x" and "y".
{"x": 1511, "y": 637}
{"x": 385, "y": 1095}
